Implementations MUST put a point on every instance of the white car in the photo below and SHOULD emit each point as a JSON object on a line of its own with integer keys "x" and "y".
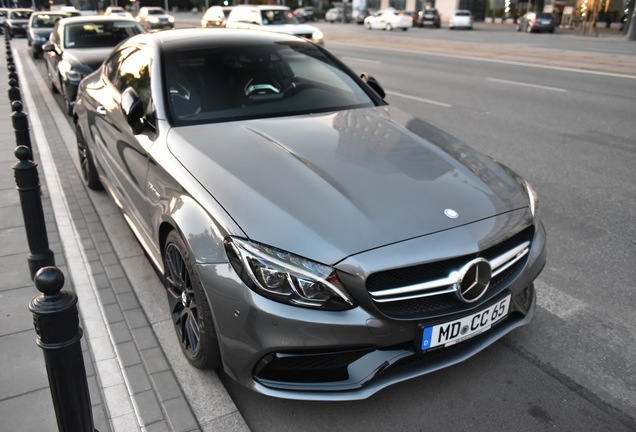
{"x": 213, "y": 17}
{"x": 461, "y": 19}
{"x": 278, "y": 19}
{"x": 154, "y": 18}
{"x": 117, "y": 11}
{"x": 389, "y": 19}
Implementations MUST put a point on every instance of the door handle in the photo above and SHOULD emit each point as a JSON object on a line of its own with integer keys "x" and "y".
{"x": 100, "y": 110}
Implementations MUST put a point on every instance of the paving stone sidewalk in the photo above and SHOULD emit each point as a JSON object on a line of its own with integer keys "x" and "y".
{"x": 134, "y": 383}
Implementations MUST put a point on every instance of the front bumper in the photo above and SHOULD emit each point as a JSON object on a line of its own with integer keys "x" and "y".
{"x": 290, "y": 352}
{"x": 161, "y": 25}
{"x": 17, "y": 30}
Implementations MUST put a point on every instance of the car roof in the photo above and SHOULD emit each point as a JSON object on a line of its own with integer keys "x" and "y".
{"x": 194, "y": 38}
{"x": 96, "y": 18}
{"x": 20, "y": 10}
{"x": 263, "y": 7}
{"x": 50, "y": 13}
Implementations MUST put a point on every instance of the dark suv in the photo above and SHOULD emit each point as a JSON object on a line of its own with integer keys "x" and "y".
{"x": 536, "y": 22}
{"x": 428, "y": 17}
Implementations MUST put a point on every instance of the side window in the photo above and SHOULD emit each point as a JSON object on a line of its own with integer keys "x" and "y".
{"x": 134, "y": 71}
{"x": 113, "y": 66}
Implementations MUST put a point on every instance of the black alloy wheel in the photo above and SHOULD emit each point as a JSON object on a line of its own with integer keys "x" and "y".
{"x": 49, "y": 75}
{"x": 68, "y": 104}
{"x": 189, "y": 307}
{"x": 87, "y": 164}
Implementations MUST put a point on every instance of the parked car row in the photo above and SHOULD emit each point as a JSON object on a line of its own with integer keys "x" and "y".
{"x": 16, "y": 22}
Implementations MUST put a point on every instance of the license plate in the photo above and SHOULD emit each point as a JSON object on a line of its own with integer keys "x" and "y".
{"x": 454, "y": 332}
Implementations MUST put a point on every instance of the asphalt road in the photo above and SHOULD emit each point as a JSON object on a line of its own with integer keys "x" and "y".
{"x": 571, "y": 134}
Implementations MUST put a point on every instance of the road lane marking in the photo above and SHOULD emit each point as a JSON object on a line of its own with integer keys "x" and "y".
{"x": 361, "y": 60}
{"x": 557, "y": 302}
{"x": 487, "y": 60}
{"x": 522, "y": 84}
{"x": 415, "y": 98}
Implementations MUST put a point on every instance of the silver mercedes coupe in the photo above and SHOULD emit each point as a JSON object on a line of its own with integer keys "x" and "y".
{"x": 315, "y": 242}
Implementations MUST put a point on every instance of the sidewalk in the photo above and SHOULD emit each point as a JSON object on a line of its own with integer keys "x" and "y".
{"x": 138, "y": 379}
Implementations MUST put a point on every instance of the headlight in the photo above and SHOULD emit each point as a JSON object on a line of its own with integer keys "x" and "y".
{"x": 153, "y": 20}
{"x": 171, "y": 19}
{"x": 533, "y": 199}
{"x": 72, "y": 73}
{"x": 287, "y": 278}
{"x": 317, "y": 36}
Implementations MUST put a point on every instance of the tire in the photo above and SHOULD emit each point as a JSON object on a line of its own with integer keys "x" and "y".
{"x": 388, "y": 27}
{"x": 49, "y": 75}
{"x": 87, "y": 163}
{"x": 68, "y": 104}
{"x": 189, "y": 308}
{"x": 405, "y": 28}
{"x": 368, "y": 26}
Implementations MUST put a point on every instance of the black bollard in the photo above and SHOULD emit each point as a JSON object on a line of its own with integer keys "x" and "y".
{"x": 12, "y": 73}
{"x": 14, "y": 91}
{"x": 28, "y": 185}
{"x": 20, "y": 122}
{"x": 56, "y": 321}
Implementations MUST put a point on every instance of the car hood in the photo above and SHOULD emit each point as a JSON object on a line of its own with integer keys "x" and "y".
{"x": 92, "y": 58}
{"x": 41, "y": 31}
{"x": 332, "y": 185}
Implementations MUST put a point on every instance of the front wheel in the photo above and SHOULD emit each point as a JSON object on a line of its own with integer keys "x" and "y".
{"x": 189, "y": 307}
{"x": 389, "y": 27}
{"x": 87, "y": 163}
{"x": 68, "y": 104}
{"x": 49, "y": 76}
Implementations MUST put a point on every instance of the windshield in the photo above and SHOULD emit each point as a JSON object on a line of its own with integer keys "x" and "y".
{"x": 99, "y": 35}
{"x": 20, "y": 15}
{"x": 245, "y": 82}
{"x": 277, "y": 17}
{"x": 46, "y": 20}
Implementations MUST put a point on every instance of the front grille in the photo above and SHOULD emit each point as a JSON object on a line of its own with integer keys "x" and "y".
{"x": 308, "y": 368}
{"x": 428, "y": 290}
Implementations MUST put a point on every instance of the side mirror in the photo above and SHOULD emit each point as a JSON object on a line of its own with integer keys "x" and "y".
{"x": 374, "y": 84}
{"x": 48, "y": 47}
{"x": 133, "y": 109}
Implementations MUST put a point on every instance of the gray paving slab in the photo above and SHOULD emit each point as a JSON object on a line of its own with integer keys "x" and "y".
{"x": 135, "y": 370}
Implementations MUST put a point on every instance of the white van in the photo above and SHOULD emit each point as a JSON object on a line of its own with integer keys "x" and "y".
{"x": 279, "y": 19}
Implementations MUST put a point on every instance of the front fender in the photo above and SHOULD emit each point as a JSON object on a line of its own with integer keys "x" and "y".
{"x": 200, "y": 232}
